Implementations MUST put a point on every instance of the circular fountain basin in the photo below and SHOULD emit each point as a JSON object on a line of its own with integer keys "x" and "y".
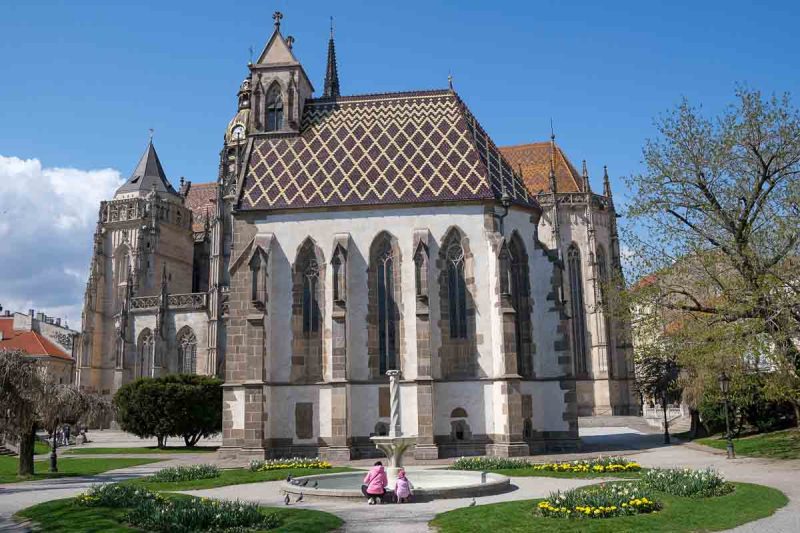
{"x": 428, "y": 484}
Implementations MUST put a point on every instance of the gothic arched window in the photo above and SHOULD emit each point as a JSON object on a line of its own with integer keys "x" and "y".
{"x": 307, "y": 315}
{"x": 144, "y": 361}
{"x": 456, "y": 290}
{"x": 520, "y": 300}
{"x": 187, "y": 351}
{"x": 577, "y": 306}
{"x": 274, "y": 109}
{"x": 384, "y": 281}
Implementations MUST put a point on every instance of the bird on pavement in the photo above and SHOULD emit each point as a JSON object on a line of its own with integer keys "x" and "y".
{"x": 299, "y": 498}
{"x": 305, "y": 482}
{"x": 286, "y": 499}
{"x": 316, "y": 484}
{"x": 472, "y": 503}
{"x": 289, "y": 478}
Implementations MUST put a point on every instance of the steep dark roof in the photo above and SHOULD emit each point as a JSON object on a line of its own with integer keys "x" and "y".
{"x": 395, "y": 148}
{"x": 202, "y": 200}
{"x": 148, "y": 172}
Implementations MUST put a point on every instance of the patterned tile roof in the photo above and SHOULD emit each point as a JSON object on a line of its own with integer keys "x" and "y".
{"x": 394, "y": 148}
{"x": 201, "y": 198}
{"x": 534, "y": 160}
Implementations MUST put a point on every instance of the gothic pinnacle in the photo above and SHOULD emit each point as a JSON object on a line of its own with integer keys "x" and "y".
{"x": 606, "y": 183}
{"x": 585, "y": 174}
{"x": 331, "y": 89}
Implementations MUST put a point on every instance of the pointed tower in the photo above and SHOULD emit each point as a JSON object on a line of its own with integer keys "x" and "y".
{"x": 280, "y": 86}
{"x": 148, "y": 176}
{"x": 331, "y": 73}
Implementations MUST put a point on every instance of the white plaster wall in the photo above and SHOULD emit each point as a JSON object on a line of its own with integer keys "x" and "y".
{"x": 325, "y": 412}
{"x": 236, "y": 408}
{"x": 291, "y": 229}
{"x": 363, "y": 409}
{"x": 548, "y": 405}
{"x": 408, "y": 409}
{"x": 475, "y": 397}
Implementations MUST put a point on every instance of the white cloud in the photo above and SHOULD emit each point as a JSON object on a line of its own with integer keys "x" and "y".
{"x": 47, "y": 218}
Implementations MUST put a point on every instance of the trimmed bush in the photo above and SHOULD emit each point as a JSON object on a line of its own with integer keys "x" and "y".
{"x": 687, "y": 482}
{"x": 601, "y": 501}
{"x": 489, "y": 463}
{"x": 116, "y": 495}
{"x": 200, "y": 514}
{"x": 185, "y": 473}
{"x": 282, "y": 464}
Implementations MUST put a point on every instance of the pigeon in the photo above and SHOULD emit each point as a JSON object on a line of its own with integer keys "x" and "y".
{"x": 289, "y": 478}
{"x": 472, "y": 503}
{"x": 304, "y": 483}
{"x": 299, "y": 498}
{"x": 316, "y": 484}
{"x": 286, "y": 499}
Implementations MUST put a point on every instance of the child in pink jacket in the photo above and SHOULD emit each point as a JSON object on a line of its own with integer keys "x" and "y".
{"x": 375, "y": 483}
{"x": 402, "y": 487}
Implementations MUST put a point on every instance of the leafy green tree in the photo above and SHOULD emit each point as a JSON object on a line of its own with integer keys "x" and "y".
{"x": 717, "y": 219}
{"x": 176, "y": 405}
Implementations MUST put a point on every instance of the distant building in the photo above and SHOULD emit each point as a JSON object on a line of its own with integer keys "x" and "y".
{"x": 42, "y": 338}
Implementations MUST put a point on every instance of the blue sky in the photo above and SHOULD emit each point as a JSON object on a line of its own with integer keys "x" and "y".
{"x": 82, "y": 82}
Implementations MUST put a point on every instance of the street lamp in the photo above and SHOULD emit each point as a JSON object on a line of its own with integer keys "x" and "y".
{"x": 725, "y": 386}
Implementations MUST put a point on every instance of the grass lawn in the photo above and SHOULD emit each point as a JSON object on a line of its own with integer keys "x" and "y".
{"x": 775, "y": 445}
{"x": 64, "y": 516}
{"x": 66, "y": 467}
{"x": 40, "y": 447}
{"x": 747, "y": 503}
{"x": 142, "y": 450}
{"x": 234, "y": 476}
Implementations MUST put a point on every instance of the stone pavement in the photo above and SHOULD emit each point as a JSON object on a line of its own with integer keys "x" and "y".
{"x": 636, "y": 443}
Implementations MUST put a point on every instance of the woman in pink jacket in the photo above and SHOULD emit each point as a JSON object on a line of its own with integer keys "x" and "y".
{"x": 375, "y": 482}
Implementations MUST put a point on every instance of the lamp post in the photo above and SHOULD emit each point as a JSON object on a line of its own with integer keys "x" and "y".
{"x": 724, "y": 386}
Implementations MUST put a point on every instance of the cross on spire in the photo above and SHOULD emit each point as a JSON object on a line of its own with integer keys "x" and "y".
{"x": 150, "y": 137}
{"x": 277, "y": 16}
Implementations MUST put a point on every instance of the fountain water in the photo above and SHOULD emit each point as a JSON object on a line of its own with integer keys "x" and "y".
{"x": 395, "y": 444}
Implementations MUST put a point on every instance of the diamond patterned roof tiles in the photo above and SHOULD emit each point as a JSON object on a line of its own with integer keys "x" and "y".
{"x": 380, "y": 149}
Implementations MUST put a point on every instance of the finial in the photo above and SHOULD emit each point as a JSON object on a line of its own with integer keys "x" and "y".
{"x": 450, "y": 81}
{"x": 606, "y": 183}
{"x": 290, "y": 42}
{"x": 183, "y": 180}
{"x": 586, "y": 186}
{"x": 552, "y": 132}
{"x": 331, "y": 26}
{"x": 250, "y": 61}
{"x": 277, "y": 16}
{"x": 150, "y": 139}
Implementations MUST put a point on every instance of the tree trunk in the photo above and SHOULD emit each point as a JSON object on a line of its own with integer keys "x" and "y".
{"x": 697, "y": 429}
{"x": 666, "y": 422}
{"x": 190, "y": 439}
{"x": 53, "y": 454}
{"x": 796, "y": 406}
{"x": 160, "y": 441}
{"x": 25, "y": 467}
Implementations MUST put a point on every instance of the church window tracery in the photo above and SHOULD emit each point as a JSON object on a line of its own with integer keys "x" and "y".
{"x": 307, "y": 315}
{"x": 520, "y": 301}
{"x": 577, "y": 307}
{"x": 383, "y": 302}
{"x": 187, "y": 351}
{"x": 457, "y": 290}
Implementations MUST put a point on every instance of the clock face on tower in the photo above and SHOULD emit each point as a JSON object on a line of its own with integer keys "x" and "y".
{"x": 237, "y": 133}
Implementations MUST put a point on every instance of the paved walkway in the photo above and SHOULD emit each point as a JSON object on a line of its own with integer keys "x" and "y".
{"x": 637, "y": 443}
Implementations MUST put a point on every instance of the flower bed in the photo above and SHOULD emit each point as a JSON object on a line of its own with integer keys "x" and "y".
{"x": 602, "y": 501}
{"x": 187, "y": 515}
{"x": 489, "y": 463}
{"x": 687, "y": 482}
{"x": 185, "y": 473}
{"x": 115, "y": 495}
{"x": 281, "y": 464}
{"x": 600, "y": 465}
{"x": 154, "y": 512}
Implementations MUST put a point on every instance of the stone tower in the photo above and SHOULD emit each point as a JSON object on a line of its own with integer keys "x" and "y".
{"x": 143, "y": 246}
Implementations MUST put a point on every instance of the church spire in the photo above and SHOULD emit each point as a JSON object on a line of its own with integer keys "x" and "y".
{"x": 606, "y": 183}
{"x": 553, "y": 185}
{"x": 331, "y": 89}
{"x": 585, "y": 175}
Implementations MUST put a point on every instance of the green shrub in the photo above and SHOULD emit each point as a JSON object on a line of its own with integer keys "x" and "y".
{"x": 185, "y": 473}
{"x": 116, "y": 495}
{"x": 200, "y": 514}
{"x": 687, "y": 482}
{"x": 601, "y": 501}
{"x": 282, "y": 464}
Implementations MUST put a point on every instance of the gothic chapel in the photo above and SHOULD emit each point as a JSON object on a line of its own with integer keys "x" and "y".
{"x": 351, "y": 235}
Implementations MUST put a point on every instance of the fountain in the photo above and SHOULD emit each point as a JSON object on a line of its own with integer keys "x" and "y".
{"x": 395, "y": 444}
{"x": 428, "y": 483}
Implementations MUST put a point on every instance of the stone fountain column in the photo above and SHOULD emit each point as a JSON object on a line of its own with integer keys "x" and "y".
{"x": 395, "y": 444}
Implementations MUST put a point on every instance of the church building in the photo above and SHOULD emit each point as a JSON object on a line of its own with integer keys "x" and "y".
{"x": 347, "y": 236}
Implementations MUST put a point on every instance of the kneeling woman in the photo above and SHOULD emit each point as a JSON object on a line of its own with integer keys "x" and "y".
{"x": 375, "y": 482}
